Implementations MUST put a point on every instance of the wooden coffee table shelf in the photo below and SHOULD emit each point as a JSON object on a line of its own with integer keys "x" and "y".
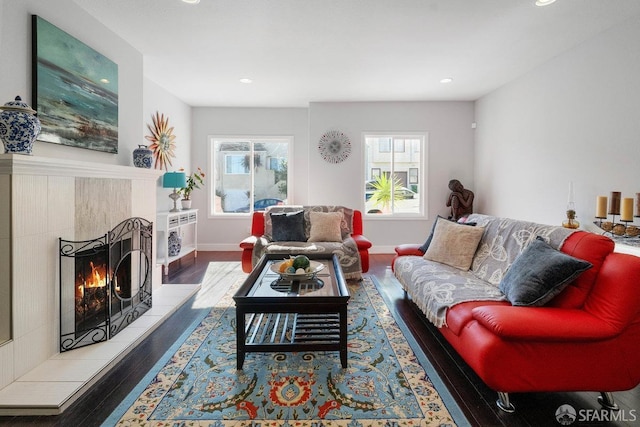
{"x": 275, "y": 315}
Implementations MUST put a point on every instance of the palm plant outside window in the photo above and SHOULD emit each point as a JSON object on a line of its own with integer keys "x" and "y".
{"x": 395, "y": 174}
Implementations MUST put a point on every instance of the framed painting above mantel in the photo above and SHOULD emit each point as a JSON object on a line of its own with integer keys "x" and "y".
{"x": 75, "y": 90}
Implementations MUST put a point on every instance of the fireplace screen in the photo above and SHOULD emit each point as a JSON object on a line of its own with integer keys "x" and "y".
{"x": 105, "y": 283}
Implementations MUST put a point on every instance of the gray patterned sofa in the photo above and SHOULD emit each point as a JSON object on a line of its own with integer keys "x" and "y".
{"x": 435, "y": 286}
{"x": 530, "y": 307}
{"x": 320, "y": 229}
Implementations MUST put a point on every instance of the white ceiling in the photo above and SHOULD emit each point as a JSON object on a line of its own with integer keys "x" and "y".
{"x": 302, "y": 51}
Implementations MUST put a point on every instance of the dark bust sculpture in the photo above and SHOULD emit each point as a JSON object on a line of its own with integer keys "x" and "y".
{"x": 460, "y": 200}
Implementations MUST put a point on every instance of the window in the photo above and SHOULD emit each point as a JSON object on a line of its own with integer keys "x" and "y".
{"x": 248, "y": 174}
{"x": 394, "y": 179}
{"x": 384, "y": 145}
{"x": 235, "y": 165}
{"x": 413, "y": 175}
{"x": 277, "y": 163}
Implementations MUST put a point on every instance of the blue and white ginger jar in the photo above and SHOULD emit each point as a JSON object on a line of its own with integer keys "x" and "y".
{"x": 175, "y": 243}
{"x": 19, "y": 127}
{"x": 142, "y": 157}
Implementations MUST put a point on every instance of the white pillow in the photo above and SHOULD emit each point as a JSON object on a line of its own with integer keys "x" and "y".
{"x": 325, "y": 227}
{"x": 454, "y": 244}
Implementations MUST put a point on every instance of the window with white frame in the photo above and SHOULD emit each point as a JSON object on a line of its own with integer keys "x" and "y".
{"x": 248, "y": 173}
{"x": 234, "y": 164}
{"x": 395, "y": 179}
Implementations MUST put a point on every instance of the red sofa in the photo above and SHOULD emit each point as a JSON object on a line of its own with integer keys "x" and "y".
{"x": 258, "y": 231}
{"x": 587, "y": 338}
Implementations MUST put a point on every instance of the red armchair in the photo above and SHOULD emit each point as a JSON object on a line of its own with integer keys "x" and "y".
{"x": 257, "y": 230}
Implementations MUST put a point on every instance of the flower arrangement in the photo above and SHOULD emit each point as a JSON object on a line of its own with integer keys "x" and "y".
{"x": 195, "y": 180}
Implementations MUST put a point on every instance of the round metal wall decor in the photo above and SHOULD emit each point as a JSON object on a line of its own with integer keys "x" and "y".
{"x": 334, "y": 146}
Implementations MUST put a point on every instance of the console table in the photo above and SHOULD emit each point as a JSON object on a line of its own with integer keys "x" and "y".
{"x": 185, "y": 223}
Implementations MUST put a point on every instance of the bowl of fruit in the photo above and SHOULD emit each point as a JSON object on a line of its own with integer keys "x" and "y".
{"x": 297, "y": 268}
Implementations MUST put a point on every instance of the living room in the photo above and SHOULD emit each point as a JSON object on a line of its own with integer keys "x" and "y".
{"x": 572, "y": 117}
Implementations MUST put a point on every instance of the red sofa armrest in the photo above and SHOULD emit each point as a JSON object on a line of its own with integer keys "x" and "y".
{"x": 406, "y": 249}
{"x": 409, "y": 249}
{"x": 248, "y": 242}
{"x": 362, "y": 242}
{"x": 356, "y": 223}
{"x": 542, "y": 323}
{"x": 257, "y": 224}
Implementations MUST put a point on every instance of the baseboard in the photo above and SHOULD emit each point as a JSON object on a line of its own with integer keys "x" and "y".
{"x": 382, "y": 250}
{"x": 219, "y": 247}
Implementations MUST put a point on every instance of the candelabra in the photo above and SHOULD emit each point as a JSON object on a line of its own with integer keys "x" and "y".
{"x": 624, "y": 209}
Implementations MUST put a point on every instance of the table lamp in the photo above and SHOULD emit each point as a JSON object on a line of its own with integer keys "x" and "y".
{"x": 174, "y": 180}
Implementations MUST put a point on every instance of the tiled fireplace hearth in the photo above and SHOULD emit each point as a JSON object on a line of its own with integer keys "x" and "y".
{"x": 45, "y": 200}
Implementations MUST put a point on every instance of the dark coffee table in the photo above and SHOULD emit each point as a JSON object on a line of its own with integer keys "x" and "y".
{"x": 283, "y": 315}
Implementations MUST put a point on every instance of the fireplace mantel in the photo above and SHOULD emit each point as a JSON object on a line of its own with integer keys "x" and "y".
{"x": 19, "y": 164}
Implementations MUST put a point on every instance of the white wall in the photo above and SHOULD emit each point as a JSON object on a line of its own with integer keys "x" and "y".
{"x": 157, "y": 99}
{"x": 226, "y": 233}
{"x": 450, "y": 155}
{"x": 317, "y": 182}
{"x": 15, "y": 69}
{"x": 575, "y": 118}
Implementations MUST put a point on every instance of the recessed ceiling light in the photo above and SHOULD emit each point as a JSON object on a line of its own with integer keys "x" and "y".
{"x": 246, "y": 81}
{"x": 544, "y": 2}
{"x": 446, "y": 80}
{"x": 191, "y": 1}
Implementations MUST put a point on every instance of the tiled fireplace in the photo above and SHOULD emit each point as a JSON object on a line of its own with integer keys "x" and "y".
{"x": 43, "y": 200}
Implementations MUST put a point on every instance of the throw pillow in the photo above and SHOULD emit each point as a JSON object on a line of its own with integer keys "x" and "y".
{"x": 426, "y": 244}
{"x": 539, "y": 273}
{"x": 454, "y": 244}
{"x": 325, "y": 227}
{"x": 268, "y": 226}
{"x": 288, "y": 226}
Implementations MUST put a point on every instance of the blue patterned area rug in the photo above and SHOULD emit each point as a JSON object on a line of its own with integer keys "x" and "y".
{"x": 389, "y": 381}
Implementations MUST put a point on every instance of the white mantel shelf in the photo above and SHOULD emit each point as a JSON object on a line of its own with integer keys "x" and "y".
{"x": 20, "y": 164}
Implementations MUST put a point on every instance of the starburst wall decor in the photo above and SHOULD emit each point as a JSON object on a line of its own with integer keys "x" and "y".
{"x": 334, "y": 146}
{"x": 162, "y": 141}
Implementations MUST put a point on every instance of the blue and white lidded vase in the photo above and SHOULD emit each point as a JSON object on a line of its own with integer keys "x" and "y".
{"x": 142, "y": 157}
{"x": 19, "y": 127}
{"x": 175, "y": 243}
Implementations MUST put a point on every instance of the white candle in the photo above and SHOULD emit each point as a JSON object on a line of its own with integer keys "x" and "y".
{"x": 627, "y": 209}
{"x": 601, "y": 207}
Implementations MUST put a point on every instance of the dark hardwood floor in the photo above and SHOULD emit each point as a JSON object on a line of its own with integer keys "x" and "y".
{"x": 476, "y": 400}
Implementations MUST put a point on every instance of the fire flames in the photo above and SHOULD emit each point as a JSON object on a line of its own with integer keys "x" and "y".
{"x": 96, "y": 279}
